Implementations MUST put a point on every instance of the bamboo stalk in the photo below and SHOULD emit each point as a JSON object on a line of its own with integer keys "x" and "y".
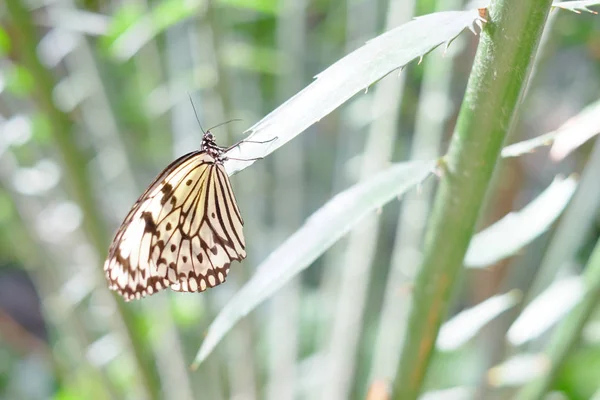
{"x": 508, "y": 44}
{"x": 519, "y": 276}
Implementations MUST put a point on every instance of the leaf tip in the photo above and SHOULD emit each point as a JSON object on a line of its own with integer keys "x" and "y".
{"x": 200, "y": 357}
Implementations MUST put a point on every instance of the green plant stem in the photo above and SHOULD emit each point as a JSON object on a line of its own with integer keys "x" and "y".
{"x": 75, "y": 171}
{"x": 568, "y": 332}
{"x": 501, "y": 67}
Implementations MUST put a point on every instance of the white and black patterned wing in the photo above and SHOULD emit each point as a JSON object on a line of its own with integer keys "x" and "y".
{"x": 198, "y": 241}
{"x": 169, "y": 224}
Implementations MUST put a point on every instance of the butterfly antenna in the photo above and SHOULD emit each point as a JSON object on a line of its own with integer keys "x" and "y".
{"x": 196, "y": 114}
{"x": 223, "y": 123}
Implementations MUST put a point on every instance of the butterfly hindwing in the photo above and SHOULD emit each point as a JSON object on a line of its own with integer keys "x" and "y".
{"x": 205, "y": 257}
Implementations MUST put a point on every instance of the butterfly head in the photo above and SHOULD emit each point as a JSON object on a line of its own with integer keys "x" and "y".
{"x": 208, "y": 138}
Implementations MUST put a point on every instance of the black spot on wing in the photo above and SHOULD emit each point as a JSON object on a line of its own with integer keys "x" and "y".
{"x": 150, "y": 225}
{"x": 167, "y": 190}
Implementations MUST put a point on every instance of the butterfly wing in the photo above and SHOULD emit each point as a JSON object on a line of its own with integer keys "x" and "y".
{"x": 197, "y": 241}
{"x": 167, "y": 225}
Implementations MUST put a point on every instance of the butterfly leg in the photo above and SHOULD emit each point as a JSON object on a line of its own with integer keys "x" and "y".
{"x": 245, "y": 159}
{"x": 250, "y": 141}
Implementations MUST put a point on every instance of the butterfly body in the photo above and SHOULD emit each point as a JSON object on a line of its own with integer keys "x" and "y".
{"x": 182, "y": 233}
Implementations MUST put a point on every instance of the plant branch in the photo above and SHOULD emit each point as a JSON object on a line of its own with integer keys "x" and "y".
{"x": 501, "y": 67}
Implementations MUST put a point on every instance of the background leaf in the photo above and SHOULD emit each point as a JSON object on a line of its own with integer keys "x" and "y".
{"x": 320, "y": 231}
{"x": 516, "y": 230}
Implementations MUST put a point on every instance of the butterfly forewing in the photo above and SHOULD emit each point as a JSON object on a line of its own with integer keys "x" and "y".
{"x": 182, "y": 233}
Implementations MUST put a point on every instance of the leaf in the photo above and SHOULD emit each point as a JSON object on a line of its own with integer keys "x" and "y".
{"x": 123, "y": 19}
{"x": 574, "y": 6}
{"x": 465, "y": 325}
{"x": 319, "y": 232}
{"x": 131, "y": 29}
{"x": 18, "y": 80}
{"x": 529, "y": 145}
{"x": 518, "y": 370}
{"x": 353, "y": 73}
{"x": 171, "y": 12}
{"x": 546, "y": 310}
{"x": 4, "y": 42}
{"x": 263, "y": 6}
{"x": 577, "y": 6}
{"x": 572, "y": 134}
{"x": 517, "y": 229}
{"x": 576, "y": 131}
{"x": 453, "y": 393}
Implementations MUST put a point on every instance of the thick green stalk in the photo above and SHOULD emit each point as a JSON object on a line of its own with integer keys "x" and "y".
{"x": 508, "y": 44}
{"x": 568, "y": 332}
{"x": 75, "y": 170}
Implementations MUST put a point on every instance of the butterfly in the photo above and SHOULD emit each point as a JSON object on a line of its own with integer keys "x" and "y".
{"x": 183, "y": 232}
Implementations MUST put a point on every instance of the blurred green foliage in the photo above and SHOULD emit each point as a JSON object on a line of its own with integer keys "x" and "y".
{"x": 19, "y": 80}
{"x": 135, "y": 65}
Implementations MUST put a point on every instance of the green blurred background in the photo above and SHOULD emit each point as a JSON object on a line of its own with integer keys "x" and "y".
{"x": 94, "y": 103}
